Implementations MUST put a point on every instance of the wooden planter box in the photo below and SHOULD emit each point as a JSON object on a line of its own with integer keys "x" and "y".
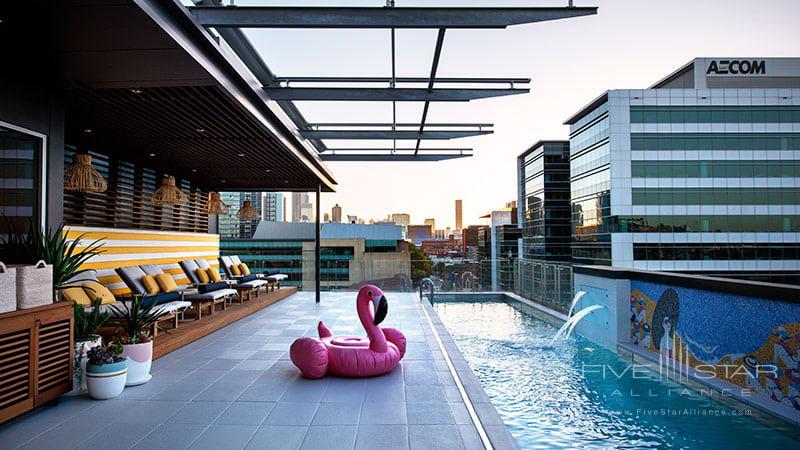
{"x": 36, "y": 357}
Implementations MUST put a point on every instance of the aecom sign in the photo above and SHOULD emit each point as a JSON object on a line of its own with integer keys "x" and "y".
{"x": 737, "y": 67}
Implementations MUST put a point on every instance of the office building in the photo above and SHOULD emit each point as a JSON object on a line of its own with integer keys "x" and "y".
{"x": 402, "y": 219}
{"x": 351, "y": 254}
{"x": 302, "y": 210}
{"x": 272, "y": 206}
{"x": 469, "y": 242}
{"x": 419, "y": 233}
{"x": 459, "y": 214}
{"x": 544, "y": 201}
{"x": 698, "y": 173}
{"x": 431, "y": 223}
{"x": 230, "y": 226}
{"x": 326, "y": 217}
{"x": 336, "y": 213}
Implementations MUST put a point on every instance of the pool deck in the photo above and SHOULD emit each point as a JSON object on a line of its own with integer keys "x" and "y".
{"x": 237, "y": 388}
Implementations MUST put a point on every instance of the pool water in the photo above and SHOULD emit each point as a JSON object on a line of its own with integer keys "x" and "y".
{"x": 578, "y": 395}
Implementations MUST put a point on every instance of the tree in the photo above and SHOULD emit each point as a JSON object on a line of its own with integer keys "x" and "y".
{"x": 420, "y": 264}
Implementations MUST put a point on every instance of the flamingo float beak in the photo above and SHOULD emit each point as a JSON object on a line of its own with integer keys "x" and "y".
{"x": 381, "y": 310}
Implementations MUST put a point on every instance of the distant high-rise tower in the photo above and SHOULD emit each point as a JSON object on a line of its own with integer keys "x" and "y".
{"x": 431, "y": 222}
{"x": 401, "y": 219}
{"x": 302, "y": 210}
{"x": 336, "y": 213}
{"x": 459, "y": 214}
{"x": 326, "y": 217}
{"x": 272, "y": 206}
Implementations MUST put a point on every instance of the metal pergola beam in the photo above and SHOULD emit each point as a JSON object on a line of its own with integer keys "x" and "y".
{"x": 437, "y": 53}
{"x": 399, "y": 80}
{"x": 387, "y": 94}
{"x": 373, "y": 17}
{"x": 398, "y": 125}
{"x": 393, "y": 157}
{"x": 389, "y": 134}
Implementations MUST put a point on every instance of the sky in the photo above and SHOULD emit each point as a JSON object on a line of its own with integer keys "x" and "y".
{"x": 629, "y": 44}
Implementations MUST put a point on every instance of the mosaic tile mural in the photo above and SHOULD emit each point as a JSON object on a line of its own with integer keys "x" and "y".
{"x": 751, "y": 342}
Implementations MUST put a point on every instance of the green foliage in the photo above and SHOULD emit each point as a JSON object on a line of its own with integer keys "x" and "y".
{"x": 420, "y": 264}
{"x": 138, "y": 317}
{"x": 63, "y": 254}
{"x": 102, "y": 355}
{"x": 87, "y": 325}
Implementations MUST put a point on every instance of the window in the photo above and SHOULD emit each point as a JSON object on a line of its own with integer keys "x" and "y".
{"x": 21, "y": 176}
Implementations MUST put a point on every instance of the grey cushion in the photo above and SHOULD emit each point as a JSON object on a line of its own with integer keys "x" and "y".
{"x": 213, "y": 295}
{"x": 132, "y": 277}
{"x": 252, "y": 284}
{"x": 165, "y": 308}
{"x": 235, "y": 260}
{"x": 277, "y": 277}
{"x": 202, "y": 263}
{"x": 151, "y": 269}
{"x": 225, "y": 262}
{"x": 89, "y": 275}
{"x": 189, "y": 268}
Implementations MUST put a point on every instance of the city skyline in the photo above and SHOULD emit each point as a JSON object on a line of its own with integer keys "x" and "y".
{"x": 561, "y": 85}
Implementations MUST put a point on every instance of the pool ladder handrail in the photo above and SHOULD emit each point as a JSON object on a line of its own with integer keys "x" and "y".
{"x": 422, "y": 283}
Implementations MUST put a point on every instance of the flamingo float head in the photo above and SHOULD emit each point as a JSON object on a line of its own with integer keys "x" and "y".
{"x": 372, "y": 294}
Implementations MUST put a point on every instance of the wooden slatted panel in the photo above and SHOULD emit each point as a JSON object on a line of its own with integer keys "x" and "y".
{"x": 127, "y": 202}
{"x": 15, "y": 367}
{"x": 53, "y": 355}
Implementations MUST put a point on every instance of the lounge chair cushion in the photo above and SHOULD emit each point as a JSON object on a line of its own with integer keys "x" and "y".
{"x": 166, "y": 282}
{"x": 235, "y": 260}
{"x": 202, "y": 263}
{"x": 211, "y": 295}
{"x": 203, "y": 288}
{"x": 252, "y": 284}
{"x": 151, "y": 269}
{"x": 235, "y": 270}
{"x": 202, "y": 276}
{"x": 213, "y": 275}
{"x": 244, "y": 269}
{"x": 150, "y": 284}
{"x": 164, "y": 297}
{"x": 247, "y": 278}
{"x": 225, "y": 262}
{"x": 132, "y": 277}
{"x": 189, "y": 268}
{"x": 95, "y": 290}
{"x": 76, "y": 295}
{"x": 277, "y": 277}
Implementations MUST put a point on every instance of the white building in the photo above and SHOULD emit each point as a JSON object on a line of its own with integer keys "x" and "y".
{"x": 700, "y": 172}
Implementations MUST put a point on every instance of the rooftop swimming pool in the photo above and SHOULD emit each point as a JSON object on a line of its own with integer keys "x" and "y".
{"x": 579, "y": 395}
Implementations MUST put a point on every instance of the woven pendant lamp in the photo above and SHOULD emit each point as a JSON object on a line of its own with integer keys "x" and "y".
{"x": 247, "y": 212}
{"x": 82, "y": 177}
{"x": 215, "y": 205}
{"x": 168, "y": 193}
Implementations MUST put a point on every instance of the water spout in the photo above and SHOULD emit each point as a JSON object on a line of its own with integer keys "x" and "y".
{"x": 572, "y": 322}
{"x": 575, "y": 300}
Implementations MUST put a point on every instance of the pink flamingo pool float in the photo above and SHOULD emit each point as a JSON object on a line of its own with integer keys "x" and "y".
{"x": 353, "y": 356}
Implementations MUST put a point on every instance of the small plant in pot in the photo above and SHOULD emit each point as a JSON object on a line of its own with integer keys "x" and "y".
{"x": 137, "y": 317}
{"x": 106, "y": 371}
{"x": 87, "y": 325}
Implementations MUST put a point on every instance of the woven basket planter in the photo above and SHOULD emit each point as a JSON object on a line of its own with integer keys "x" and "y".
{"x": 8, "y": 288}
{"x": 34, "y": 285}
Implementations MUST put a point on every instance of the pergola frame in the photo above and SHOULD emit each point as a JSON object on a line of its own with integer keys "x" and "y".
{"x": 228, "y": 21}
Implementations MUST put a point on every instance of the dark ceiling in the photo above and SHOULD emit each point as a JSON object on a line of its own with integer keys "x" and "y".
{"x": 132, "y": 91}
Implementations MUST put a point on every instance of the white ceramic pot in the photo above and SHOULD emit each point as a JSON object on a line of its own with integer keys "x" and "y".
{"x": 79, "y": 372}
{"x": 106, "y": 381}
{"x": 140, "y": 358}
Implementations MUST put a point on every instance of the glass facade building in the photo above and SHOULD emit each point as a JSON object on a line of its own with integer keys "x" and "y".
{"x": 544, "y": 201}
{"x": 699, "y": 173}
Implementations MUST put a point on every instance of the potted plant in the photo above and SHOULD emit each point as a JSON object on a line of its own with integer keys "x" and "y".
{"x": 137, "y": 317}
{"x": 106, "y": 371}
{"x": 86, "y": 338}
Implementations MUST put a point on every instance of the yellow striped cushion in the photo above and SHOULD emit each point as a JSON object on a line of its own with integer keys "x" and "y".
{"x": 166, "y": 282}
{"x": 95, "y": 290}
{"x": 244, "y": 269}
{"x": 150, "y": 284}
{"x": 76, "y": 295}
{"x": 213, "y": 274}
{"x": 202, "y": 275}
